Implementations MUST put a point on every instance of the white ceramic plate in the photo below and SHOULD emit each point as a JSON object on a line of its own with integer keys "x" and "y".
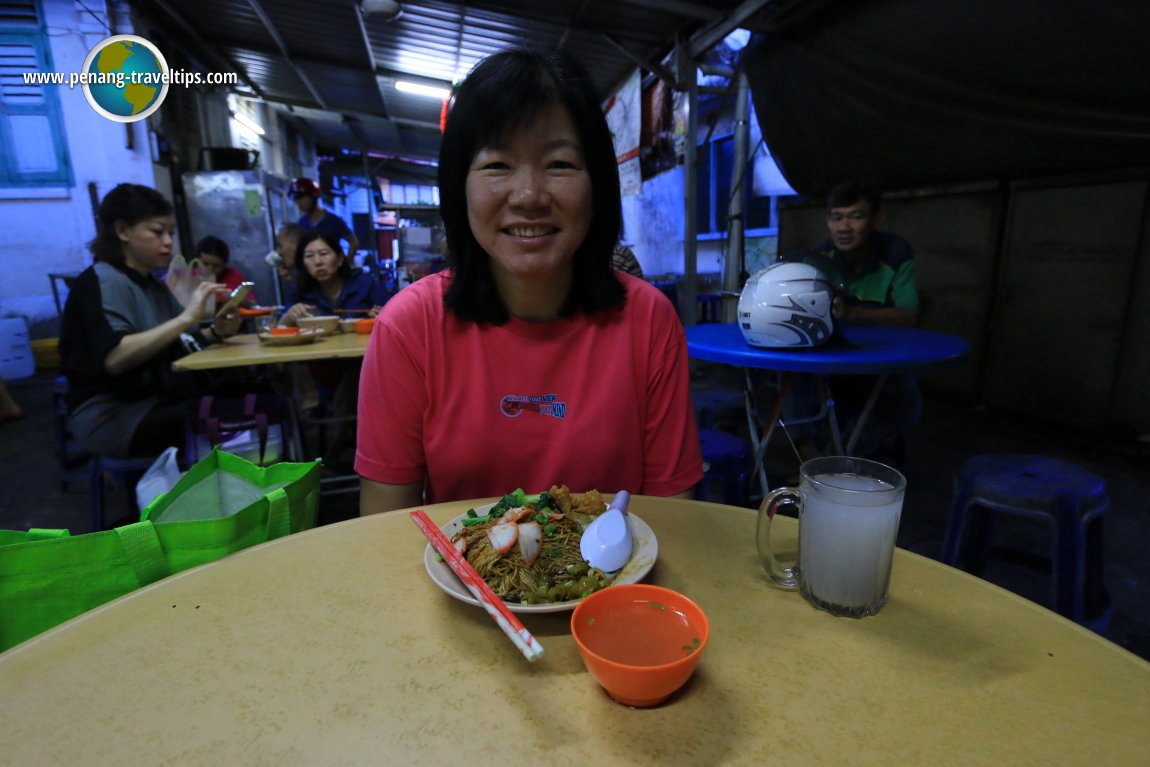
{"x": 644, "y": 552}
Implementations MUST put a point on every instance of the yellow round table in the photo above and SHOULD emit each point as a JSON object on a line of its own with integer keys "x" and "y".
{"x": 334, "y": 647}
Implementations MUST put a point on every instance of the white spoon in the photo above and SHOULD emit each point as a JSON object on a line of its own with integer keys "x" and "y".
{"x": 606, "y": 543}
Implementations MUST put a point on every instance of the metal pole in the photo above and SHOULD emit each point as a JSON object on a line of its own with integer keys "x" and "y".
{"x": 688, "y": 310}
{"x": 736, "y": 219}
{"x": 373, "y": 246}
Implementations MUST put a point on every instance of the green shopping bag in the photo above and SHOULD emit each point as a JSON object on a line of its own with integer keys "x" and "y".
{"x": 222, "y": 505}
{"x": 48, "y": 577}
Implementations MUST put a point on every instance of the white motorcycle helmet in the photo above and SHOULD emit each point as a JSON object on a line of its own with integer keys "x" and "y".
{"x": 786, "y": 305}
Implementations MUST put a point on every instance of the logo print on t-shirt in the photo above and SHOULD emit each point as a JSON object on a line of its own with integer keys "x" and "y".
{"x": 513, "y": 405}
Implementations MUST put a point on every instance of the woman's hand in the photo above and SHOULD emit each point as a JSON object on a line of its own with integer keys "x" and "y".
{"x": 227, "y": 325}
{"x": 135, "y": 349}
{"x": 292, "y": 315}
{"x": 374, "y": 311}
{"x": 197, "y": 307}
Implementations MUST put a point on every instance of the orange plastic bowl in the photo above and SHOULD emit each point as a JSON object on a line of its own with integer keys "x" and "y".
{"x": 283, "y": 331}
{"x": 640, "y": 642}
{"x": 364, "y": 326}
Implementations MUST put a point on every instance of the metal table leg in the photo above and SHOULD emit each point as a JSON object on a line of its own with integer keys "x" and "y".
{"x": 872, "y": 398}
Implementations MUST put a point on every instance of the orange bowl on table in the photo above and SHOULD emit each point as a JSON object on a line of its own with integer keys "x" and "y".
{"x": 257, "y": 311}
{"x": 283, "y": 331}
{"x": 640, "y": 642}
{"x": 364, "y": 326}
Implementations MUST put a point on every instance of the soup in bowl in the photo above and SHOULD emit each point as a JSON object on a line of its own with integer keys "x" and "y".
{"x": 640, "y": 642}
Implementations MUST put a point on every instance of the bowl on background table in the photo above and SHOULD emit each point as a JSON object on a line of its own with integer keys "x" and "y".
{"x": 276, "y": 336}
{"x": 326, "y": 324}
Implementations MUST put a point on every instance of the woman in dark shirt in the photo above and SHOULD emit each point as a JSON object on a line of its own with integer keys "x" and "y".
{"x": 122, "y": 329}
{"x": 327, "y": 284}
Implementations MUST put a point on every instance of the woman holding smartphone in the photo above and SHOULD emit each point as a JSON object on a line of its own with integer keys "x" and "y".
{"x": 122, "y": 329}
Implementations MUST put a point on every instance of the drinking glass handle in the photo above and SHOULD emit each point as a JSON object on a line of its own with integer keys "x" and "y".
{"x": 784, "y": 576}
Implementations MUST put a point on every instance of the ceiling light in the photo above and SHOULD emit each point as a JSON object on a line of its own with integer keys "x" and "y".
{"x": 419, "y": 89}
{"x": 248, "y": 123}
{"x": 381, "y": 9}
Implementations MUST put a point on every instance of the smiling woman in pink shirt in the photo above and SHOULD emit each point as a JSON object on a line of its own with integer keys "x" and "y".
{"x": 530, "y": 361}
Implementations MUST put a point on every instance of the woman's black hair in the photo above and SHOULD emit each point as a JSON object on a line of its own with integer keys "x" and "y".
{"x": 304, "y": 280}
{"x": 214, "y": 246}
{"x": 505, "y": 92}
{"x": 130, "y": 203}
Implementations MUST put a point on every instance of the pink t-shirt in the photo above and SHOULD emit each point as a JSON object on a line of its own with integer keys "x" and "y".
{"x": 478, "y": 410}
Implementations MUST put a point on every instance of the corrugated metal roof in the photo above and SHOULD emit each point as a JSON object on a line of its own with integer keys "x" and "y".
{"x": 336, "y": 67}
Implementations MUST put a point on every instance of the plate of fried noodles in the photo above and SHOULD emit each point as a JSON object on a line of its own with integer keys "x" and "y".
{"x": 526, "y": 547}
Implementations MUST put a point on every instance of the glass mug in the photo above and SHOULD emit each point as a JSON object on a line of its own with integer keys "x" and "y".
{"x": 848, "y": 520}
{"x": 265, "y": 323}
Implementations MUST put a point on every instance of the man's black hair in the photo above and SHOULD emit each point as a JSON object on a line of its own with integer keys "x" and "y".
{"x": 845, "y": 195}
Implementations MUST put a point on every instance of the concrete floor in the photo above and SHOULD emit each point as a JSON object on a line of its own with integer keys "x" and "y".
{"x": 35, "y": 493}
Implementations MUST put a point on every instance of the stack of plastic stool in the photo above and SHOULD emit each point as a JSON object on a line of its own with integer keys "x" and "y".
{"x": 1065, "y": 496}
{"x": 726, "y": 463}
{"x": 125, "y": 472}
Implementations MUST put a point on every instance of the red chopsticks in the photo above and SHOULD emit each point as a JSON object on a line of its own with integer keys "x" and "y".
{"x": 516, "y": 631}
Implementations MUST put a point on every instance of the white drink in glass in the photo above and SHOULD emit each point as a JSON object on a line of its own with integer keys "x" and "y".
{"x": 847, "y": 530}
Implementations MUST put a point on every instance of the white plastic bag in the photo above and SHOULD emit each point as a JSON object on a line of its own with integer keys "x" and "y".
{"x": 160, "y": 477}
{"x": 245, "y": 444}
{"x": 184, "y": 277}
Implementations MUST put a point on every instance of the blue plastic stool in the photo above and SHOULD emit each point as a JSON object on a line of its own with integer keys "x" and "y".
{"x": 1065, "y": 496}
{"x": 726, "y": 462}
{"x": 125, "y": 472}
{"x": 719, "y": 408}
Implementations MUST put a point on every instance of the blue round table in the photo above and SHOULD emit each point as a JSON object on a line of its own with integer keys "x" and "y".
{"x": 853, "y": 350}
{"x": 858, "y": 349}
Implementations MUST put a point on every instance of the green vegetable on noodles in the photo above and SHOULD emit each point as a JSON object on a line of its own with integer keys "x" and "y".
{"x": 519, "y": 498}
{"x": 475, "y": 520}
{"x": 556, "y": 572}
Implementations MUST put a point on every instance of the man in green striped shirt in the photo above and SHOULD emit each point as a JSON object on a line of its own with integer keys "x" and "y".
{"x": 873, "y": 275}
{"x": 873, "y": 272}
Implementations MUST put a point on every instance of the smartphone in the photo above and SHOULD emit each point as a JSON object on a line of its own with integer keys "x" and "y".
{"x": 236, "y": 298}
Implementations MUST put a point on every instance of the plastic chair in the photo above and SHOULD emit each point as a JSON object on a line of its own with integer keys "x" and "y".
{"x": 726, "y": 463}
{"x": 670, "y": 289}
{"x": 1065, "y": 496}
{"x": 61, "y": 283}
{"x": 710, "y": 307}
{"x": 69, "y": 454}
{"x": 125, "y": 472}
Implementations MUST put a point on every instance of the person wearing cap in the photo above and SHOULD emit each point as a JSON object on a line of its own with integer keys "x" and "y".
{"x": 305, "y": 192}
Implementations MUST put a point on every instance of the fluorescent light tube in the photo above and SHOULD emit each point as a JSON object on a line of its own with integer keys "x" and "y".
{"x": 248, "y": 123}
{"x": 422, "y": 90}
